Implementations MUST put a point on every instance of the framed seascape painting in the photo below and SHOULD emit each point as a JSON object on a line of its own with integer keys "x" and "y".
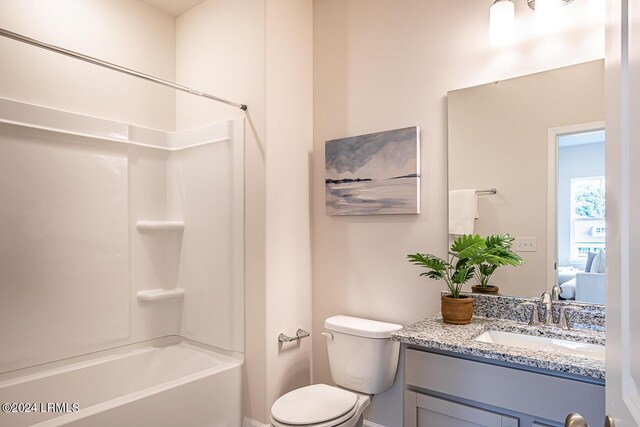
{"x": 374, "y": 174}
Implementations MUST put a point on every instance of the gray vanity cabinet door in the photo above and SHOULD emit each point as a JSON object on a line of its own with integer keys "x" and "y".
{"x": 427, "y": 411}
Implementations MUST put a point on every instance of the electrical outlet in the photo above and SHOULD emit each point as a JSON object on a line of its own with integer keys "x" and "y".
{"x": 525, "y": 244}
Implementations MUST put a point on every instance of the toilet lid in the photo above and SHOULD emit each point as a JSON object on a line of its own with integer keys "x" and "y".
{"x": 313, "y": 404}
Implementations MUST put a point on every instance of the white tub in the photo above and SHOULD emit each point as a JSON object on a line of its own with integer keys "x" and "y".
{"x": 167, "y": 382}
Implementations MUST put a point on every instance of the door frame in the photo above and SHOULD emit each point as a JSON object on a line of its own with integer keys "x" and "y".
{"x": 622, "y": 102}
{"x": 552, "y": 191}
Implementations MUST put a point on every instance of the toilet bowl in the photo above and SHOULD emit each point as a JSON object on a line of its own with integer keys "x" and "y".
{"x": 363, "y": 362}
{"x": 319, "y": 405}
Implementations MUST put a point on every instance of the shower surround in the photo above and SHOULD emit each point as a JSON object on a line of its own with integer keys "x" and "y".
{"x": 114, "y": 238}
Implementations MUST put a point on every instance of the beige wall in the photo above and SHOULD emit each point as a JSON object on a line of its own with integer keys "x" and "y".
{"x": 377, "y": 64}
{"x": 289, "y": 138}
{"x": 498, "y": 138}
{"x": 259, "y": 52}
{"x": 384, "y": 64}
{"x": 119, "y": 31}
{"x": 220, "y": 45}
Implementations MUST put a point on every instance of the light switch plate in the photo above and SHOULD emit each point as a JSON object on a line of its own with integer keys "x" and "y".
{"x": 525, "y": 244}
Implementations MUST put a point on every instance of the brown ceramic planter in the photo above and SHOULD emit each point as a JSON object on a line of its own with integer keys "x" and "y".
{"x": 489, "y": 289}
{"x": 457, "y": 311}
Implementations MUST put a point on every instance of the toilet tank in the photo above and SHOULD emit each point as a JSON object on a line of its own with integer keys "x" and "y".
{"x": 362, "y": 356}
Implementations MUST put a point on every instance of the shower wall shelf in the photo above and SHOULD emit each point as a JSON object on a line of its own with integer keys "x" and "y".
{"x": 28, "y": 116}
{"x": 160, "y": 225}
{"x": 160, "y": 294}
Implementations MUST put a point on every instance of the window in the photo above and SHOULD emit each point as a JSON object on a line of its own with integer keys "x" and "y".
{"x": 588, "y": 230}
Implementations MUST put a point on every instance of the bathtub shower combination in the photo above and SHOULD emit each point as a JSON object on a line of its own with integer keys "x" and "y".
{"x": 165, "y": 382}
{"x": 121, "y": 300}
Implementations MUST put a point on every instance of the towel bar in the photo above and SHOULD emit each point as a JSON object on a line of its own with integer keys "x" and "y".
{"x": 489, "y": 191}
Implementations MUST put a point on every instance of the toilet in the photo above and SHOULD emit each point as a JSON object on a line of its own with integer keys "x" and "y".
{"x": 363, "y": 362}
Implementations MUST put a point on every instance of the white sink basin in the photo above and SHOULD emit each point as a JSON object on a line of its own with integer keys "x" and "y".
{"x": 537, "y": 343}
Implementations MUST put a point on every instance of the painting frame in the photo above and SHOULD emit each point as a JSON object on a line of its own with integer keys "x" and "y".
{"x": 373, "y": 174}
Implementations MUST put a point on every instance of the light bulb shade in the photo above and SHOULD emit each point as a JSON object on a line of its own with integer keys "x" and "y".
{"x": 547, "y": 15}
{"x": 544, "y": 7}
{"x": 501, "y": 22}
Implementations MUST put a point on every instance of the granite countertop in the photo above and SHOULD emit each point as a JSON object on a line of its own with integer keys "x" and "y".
{"x": 433, "y": 333}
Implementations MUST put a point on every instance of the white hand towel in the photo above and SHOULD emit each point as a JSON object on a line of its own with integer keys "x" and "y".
{"x": 463, "y": 210}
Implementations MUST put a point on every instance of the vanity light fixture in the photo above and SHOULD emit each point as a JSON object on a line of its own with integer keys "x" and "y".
{"x": 501, "y": 22}
{"x": 547, "y": 14}
{"x": 532, "y": 3}
{"x": 502, "y": 18}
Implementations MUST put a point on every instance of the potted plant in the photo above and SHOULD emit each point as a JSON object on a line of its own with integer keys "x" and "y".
{"x": 497, "y": 252}
{"x": 465, "y": 253}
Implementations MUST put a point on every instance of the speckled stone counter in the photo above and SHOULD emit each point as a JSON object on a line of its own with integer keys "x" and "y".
{"x": 581, "y": 315}
{"x": 433, "y": 333}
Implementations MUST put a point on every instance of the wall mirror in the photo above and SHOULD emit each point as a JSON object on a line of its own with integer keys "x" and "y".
{"x": 538, "y": 140}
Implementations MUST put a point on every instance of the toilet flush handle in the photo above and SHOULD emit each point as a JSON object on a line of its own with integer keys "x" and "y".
{"x": 329, "y": 335}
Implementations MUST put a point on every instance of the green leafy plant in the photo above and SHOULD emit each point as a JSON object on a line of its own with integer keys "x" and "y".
{"x": 465, "y": 253}
{"x": 497, "y": 252}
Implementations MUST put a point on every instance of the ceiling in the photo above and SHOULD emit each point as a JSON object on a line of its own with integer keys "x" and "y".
{"x": 173, "y": 7}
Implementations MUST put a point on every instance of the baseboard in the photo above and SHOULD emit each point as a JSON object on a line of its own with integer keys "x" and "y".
{"x": 371, "y": 424}
{"x": 248, "y": 422}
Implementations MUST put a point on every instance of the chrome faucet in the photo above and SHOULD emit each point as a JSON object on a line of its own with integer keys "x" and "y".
{"x": 545, "y": 298}
{"x": 533, "y": 320}
{"x": 563, "y": 320}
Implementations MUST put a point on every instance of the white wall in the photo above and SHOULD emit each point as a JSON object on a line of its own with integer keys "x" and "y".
{"x": 259, "y": 52}
{"x": 384, "y": 64}
{"x": 121, "y": 31}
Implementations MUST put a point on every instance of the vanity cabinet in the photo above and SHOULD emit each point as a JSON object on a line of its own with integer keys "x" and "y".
{"x": 445, "y": 390}
{"x": 428, "y": 411}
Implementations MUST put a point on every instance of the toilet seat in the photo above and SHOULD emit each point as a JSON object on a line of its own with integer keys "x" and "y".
{"x": 318, "y": 405}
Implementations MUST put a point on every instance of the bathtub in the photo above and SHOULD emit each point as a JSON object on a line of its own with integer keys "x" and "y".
{"x": 167, "y": 382}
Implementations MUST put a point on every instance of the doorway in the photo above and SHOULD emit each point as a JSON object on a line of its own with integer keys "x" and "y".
{"x": 577, "y": 210}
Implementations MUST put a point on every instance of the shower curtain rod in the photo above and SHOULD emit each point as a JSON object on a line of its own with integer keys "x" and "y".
{"x": 111, "y": 66}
